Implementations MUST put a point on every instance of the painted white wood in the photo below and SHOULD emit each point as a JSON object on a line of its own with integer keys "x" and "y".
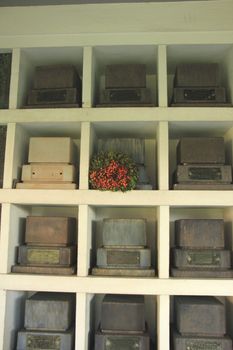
{"x": 85, "y": 153}
{"x": 86, "y": 217}
{"x": 88, "y": 77}
{"x": 163, "y": 241}
{"x": 15, "y": 71}
{"x": 163, "y": 322}
{"x": 162, "y": 76}
{"x": 163, "y": 155}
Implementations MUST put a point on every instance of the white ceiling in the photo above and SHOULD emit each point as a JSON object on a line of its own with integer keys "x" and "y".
{"x": 69, "y": 2}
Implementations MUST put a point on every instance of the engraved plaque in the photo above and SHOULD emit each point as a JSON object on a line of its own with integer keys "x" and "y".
{"x": 131, "y": 97}
{"x": 200, "y": 345}
{"x": 125, "y": 95}
{"x": 200, "y": 94}
{"x": 125, "y": 343}
{"x": 123, "y": 258}
{"x": 122, "y": 341}
{"x": 53, "y": 97}
{"x": 45, "y": 342}
{"x": 194, "y": 342}
{"x": 33, "y": 255}
{"x": 45, "y": 256}
{"x": 205, "y": 173}
{"x": 203, "y": 258}
{"x": 206, "y": 258}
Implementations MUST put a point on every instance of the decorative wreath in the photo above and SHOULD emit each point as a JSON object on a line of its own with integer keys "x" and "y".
{"x": 111, "y": 171}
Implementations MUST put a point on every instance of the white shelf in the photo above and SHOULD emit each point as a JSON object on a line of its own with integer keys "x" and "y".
{"x": 90, "y": 37}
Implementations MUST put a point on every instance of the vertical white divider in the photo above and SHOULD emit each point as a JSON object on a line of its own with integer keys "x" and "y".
{"x": 15, "y": 154}
{"x": 4, "y": 238}
{"x": 163, "y": 322}
{"x": 88, "y": 78}
{"x": 163, "y": 241}
{"x": 83, "y": 316}
{"x": 162, "y": 76}
{"x": 14, "y": 82}
{"x": 3, "y": 317}
{"x": 86, "y": 216}
{"x": 163, "y": 155}
{"x": 86, "y": 149}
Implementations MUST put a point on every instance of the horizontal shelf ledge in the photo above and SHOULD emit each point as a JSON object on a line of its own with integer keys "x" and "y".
{"x": 131, "y": 114}
{"x": 150, "y": 286}
{"x": 131, "y": 198}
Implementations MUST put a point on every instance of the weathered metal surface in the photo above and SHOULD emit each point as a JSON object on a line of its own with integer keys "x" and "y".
{"x": 46, "y": 256}
{"x": 192, "y": 342}
{"x": 124, "y": 232}
{"x": 133, "y": 147}
{"x": 201, "y": 258}
{"x": 197, "y": 74}
{"x": 56, "y": 76}
{"x": 51, "y": 150}
{"x": 201, "y": 150}
{"x": 123, "y": 313}
{"x": 125, "y": 76}
{"x": 50, "y": 230}
{"x": 200, "y": 233}
{"x": 115, "y": 341}
{"x": 123, "y": 258}
{"x": 203, "y": 316}
{"x": 204, "y": 173}
{"x": 49, "y": 311}
{"x": 38, "y": 340}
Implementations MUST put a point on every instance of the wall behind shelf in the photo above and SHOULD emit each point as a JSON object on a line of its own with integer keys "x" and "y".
{"x": 117, "y": 18}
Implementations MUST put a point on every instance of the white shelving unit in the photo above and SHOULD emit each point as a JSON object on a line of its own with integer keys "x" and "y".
{"x": 89, "y": 37}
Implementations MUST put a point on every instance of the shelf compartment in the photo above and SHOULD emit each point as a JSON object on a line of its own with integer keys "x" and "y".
{"x": 92, "y": 133}
{"x": 225, "y": 214}
{"x": 17, "y": 144}
{"x": 27, "y": 59}
{"x": 178, "y": 130}
{"x": 94, "y": 316}
{"x": 13, "y": 230}
{"x": 13, "y": 313}
{"x": 221, "y": 54}
{"x": 124, "y": 54}
{"x": 91, "y": 226}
